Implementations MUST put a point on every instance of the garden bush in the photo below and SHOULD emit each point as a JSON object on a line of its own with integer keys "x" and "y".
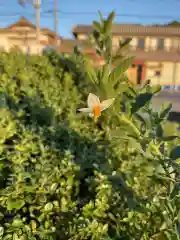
{"x": 64, "y": 175}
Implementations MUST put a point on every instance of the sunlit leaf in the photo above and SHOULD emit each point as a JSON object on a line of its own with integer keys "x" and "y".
{"x": 141, "y": 101}
{"x": 15, "y": 204}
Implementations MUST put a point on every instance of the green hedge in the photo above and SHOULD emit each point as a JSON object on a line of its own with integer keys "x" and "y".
{"x": 64, "y": 176}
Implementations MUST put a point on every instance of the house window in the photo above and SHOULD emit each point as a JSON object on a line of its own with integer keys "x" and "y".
{"x": 160, "y": 44}
{"x": 141, "y": 43}
{"x": 157, "y": 73}
{"x": 175, "y": 44}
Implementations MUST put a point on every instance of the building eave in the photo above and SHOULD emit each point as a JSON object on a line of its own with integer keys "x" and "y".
{"x": 132, "y": 30}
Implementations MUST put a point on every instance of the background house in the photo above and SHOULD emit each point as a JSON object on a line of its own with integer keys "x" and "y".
{"x": 156, "y": 48}
{"x": 67, "y": 46}
{"x": 22, "y": 35}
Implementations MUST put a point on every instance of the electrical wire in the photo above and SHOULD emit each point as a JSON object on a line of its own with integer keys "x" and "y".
{"x": 120, "y": 15}
{"x": 47, "y": 13}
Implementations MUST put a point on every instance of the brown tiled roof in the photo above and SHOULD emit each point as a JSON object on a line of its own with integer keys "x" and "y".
{"x": 67, "y": 45}
{"x": 23, "y": 22}
{"x": 156, "y": 55}
{"x": 132, "y": 29}
{"x": 50, "y": 33}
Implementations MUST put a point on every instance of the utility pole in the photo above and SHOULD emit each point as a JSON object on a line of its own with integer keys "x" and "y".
{"x": 55, "y": 23}
{"x": 37, "y": 7}
{"x": 36, "y": 4}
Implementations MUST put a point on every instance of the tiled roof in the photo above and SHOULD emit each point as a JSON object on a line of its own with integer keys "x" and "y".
{"x": 23, "y": 22}
{"x": 132, "y": 29}
{"x": 156, "y": 55}
{"x": 67, "y": 45}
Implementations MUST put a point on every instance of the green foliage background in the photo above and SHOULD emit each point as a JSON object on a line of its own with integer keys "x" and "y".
{"x": 64, "y": 176}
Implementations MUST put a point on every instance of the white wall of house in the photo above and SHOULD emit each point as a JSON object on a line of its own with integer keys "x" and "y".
{"x": 151, "y": 68}
{"x": 167, "y": 44}
{"x": 134, "y": 43}
{"x": 167, "y": 73}
{"x": 147, "y": 44}
{"x": 177, "y": 74}
{"x": 10, "y": 39}
{"x": 170, "y": 73}
{"x": 4, "y": 42}
{"x": 82, "y": 36}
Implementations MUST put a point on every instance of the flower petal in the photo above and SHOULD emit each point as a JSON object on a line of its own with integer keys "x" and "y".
{"x": 106, "y": 104}
{"x": 87, "y": 110}
{"x": 92, "y": 100}
{"x": 91, "y": 115}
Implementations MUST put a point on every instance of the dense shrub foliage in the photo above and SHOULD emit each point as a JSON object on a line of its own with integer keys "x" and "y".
{"x": 64, "y": 176}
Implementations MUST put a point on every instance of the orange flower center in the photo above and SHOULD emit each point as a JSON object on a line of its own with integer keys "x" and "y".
{"x": 97, "y": 111}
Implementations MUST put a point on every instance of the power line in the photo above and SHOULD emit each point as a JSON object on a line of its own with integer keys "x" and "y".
{"x": 123, "y": 15}
{"x": 129, "y": 15}
{"x": 20, "y": 14}
{"x": 48, "y": 13}
{"x": 118, "y": 14}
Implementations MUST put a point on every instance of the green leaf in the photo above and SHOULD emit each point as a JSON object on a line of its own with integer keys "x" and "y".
{"x": 144, "y": 119}
{"x": 112, "y": 217}
{"x": 145, "y": 83}
{"x": 169, "y": 138}
{"x": 122, "y": 62}
{"x": 141, "y": 101}
{"x": 108, "y": 23}
{"x": 130, "y": 123}
{"x": 97, "y": 26}
{"x": 124, "y": 43}
{"x": 8, "y": 237}
{"x": 48, "y": 207}
{"x": 17, "y": 223}
{"x": 155, "y": 89}
{"x": 1, "y": 232}
{"x": 15, "y": 204}
{"x": 101, "y": 17}
{"x": 175, "y": 153}
{"x": 15, "y": 236}
{"x": 3, "y": 102}
{"x": 90, "y": 71}
{"x": 178, "y": 160}
{"x": 165, "y": 110}
{"x": 105, "y": 74}
{"x": 159, "y": 131}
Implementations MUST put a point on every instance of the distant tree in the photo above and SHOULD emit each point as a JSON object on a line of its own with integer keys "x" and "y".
{"x": 174, "y": 23}
{"x": 170, "y": 24}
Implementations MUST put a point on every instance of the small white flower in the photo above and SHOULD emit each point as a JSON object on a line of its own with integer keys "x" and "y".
{"x": 95, "y": 107}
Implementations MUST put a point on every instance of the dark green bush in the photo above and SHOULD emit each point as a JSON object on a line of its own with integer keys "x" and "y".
{"x": 64, "y": 176}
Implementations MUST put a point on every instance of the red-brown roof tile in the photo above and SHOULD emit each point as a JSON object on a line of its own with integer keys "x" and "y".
{"x": 67, "y": 45}
{"x": 156, "y": 55}
{"x": 132, "y": 29}
{"x": 23, "y": 22}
